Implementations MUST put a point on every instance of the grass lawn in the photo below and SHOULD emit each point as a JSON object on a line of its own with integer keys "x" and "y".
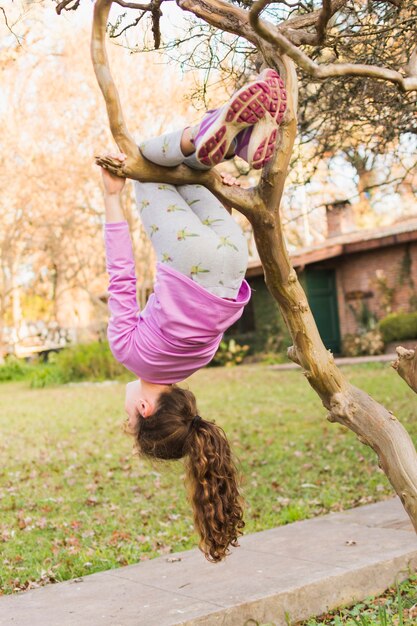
{"x": 75, "y": 500}
{"x": 396, "y": 607}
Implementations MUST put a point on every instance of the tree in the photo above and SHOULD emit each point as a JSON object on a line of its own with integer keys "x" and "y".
{"x": 280, "y": 47}
{"x": 51, "y": 240}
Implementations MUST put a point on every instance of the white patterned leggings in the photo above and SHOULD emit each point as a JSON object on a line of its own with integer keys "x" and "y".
{"x": 193, "y": 233}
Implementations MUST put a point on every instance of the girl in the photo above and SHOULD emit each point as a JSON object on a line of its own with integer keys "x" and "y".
{"x": 199, "y": 292}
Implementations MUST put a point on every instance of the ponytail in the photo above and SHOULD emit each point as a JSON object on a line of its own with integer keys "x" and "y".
{"x": 214, "y": 490}
{"x": 174, "y": 431}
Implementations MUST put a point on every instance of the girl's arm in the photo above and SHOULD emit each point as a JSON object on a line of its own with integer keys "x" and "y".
{"x": 113, "y": 187}
{"x": 120, "y": 266}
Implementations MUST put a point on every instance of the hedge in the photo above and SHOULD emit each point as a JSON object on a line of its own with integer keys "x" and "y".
{"x": 398, "y": 326}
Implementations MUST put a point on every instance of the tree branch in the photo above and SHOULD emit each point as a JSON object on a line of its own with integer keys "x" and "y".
{"x": 156, "y": 16}
{"x": 222, "y": 15}
{"x": 10, "y": 28}
{"x": 309, "y": 19}
{"x": 64, "y": 6}
{"x": 324, "y": 16}
{"x": 118, "y": 128}
{"x": 406, "y": 366}
{"x": 134, "y": 5}
{"x": 272, "y": 35}
{"x": 137, "y": 167}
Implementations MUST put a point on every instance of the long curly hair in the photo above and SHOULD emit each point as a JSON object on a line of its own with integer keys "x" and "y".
{"x": 172, "y": 432}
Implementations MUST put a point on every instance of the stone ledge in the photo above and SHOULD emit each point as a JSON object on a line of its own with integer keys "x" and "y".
{"x": 302, "y": 569}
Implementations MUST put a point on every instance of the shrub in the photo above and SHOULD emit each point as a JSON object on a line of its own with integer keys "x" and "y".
{"x": 229, "y": 353}
{"x": 92, "y": 361}
{"x": 45, "y": 374}
{"x": 89, "y": 361}
{"x": 14, "y": 369}
{"x": 367, "y": 344}
{"x": 398, "y": 326}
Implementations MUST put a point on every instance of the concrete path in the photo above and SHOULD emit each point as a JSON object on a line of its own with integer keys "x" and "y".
{"x": 342, "y": 360}
{"x": 301, "y": 570}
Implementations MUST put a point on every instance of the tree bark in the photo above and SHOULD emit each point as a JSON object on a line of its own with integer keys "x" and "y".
{"x": 406, "y": 366}
{"x": 374, "y": 425}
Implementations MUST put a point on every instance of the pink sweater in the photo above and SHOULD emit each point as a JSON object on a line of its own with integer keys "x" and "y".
{"x": 181, "y": 326}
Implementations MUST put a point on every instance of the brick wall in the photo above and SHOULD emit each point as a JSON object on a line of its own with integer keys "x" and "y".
{"x": 357, "y": 280}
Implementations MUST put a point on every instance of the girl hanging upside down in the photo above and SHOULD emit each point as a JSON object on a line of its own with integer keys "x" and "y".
{"x": 199, "y": 292}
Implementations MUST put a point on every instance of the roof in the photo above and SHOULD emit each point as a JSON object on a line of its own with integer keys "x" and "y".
{"x": 349, "y": 243}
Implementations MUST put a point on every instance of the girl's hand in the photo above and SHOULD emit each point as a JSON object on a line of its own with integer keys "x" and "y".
{"x": 113, "y": 185}
{"x": 229, "y": 180}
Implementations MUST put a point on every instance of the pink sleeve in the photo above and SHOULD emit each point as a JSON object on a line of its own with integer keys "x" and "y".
{"x": 122, "y": 301}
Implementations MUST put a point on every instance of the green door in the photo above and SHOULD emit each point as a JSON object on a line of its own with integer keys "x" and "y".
{"x": 322, "y": 297}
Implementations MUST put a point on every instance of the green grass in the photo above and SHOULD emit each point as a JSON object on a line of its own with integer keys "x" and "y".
{"x": 397, "y": 607}
{"x": 75, "y": 500}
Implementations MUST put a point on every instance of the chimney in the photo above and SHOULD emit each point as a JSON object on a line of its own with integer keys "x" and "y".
{"x": 340, "y": 218}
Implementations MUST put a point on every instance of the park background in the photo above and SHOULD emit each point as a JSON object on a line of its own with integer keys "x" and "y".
{"x": 74, "y": 499}
{"x": 53, "y": 278}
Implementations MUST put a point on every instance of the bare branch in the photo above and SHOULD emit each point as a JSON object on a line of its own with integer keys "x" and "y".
{"x": 131, "y": 25}
{"x": 64, "y": 6}
{"x": 118, "y": 128}
{"x": 137, "y": 167}
{"x": 156, "y": 16}
{"x": 324, "y": 16}
{"x": 406, "y": 366}
{"x": 309, "y": 19}
{"x": 10, "y": 27}
{"x": 222, "y": 15}
{"x": 277, "y": 39}
{"x": 273, "y": 177}
{"x": 134, "y": 5}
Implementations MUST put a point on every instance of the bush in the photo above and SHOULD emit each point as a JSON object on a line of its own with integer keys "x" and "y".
{"x": 367, "y": 344}
{"x": 229, "y": 353}
{"x": 93, "y": 361}
{"x": 14, "y": 369}
{"x": 398, "y": 326}
{"x": 89, "y": 361}
{"x": 45, "y": 374}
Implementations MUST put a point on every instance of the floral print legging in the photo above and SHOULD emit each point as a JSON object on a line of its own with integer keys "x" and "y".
{"x": 193, "y": 233}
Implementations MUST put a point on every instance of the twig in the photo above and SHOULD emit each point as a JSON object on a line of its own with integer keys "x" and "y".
{"x": 9, "y": 27}
{"x": 131, "y": 25}
{"x": 277, "y": 39}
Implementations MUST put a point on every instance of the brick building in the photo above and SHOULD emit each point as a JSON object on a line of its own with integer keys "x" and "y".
{"x": 351, "y": 279}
